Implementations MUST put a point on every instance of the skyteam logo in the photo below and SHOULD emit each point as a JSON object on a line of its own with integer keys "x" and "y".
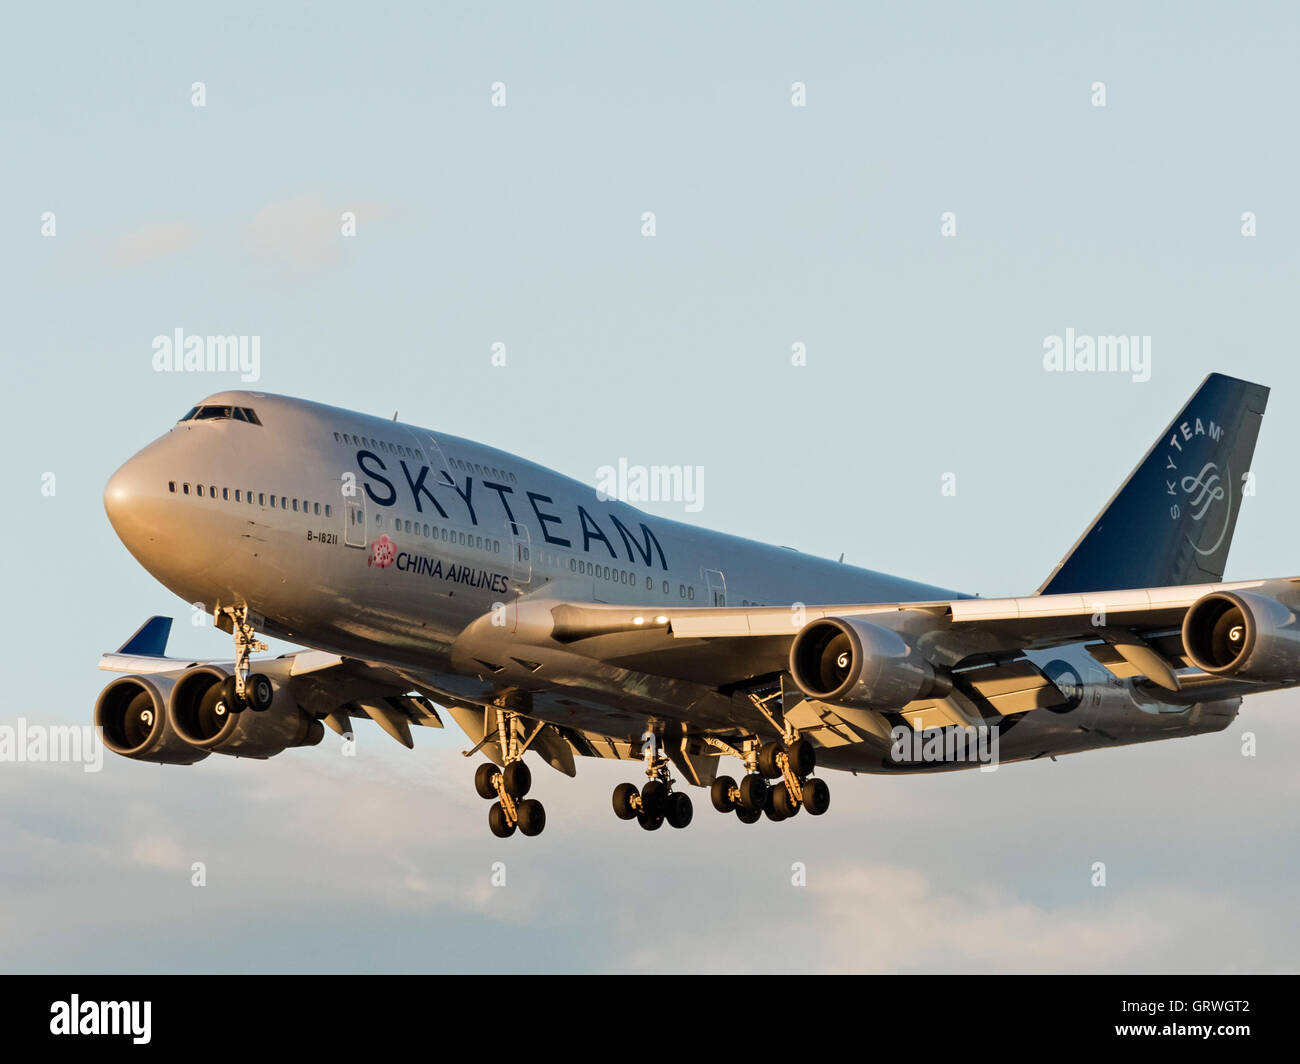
{"x": 1198, "y": 488}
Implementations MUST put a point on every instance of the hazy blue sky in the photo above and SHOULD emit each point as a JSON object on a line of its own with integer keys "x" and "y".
{"x": 776, "y": 225}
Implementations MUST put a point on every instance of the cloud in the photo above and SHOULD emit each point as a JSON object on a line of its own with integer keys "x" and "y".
{"x": 151, "y": 242}
{"x": 304, "y": 231}
{"x": 383, "y": 862}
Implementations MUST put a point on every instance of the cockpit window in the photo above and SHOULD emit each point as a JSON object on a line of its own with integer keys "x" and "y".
{"x": 222, "y": 413}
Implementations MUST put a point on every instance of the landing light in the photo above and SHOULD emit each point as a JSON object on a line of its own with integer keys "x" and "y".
{"x": 661, "y": 619}
{"x": 638, "y": 620}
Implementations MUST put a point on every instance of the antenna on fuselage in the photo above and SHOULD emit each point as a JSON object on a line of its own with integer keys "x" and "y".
{"x": 394, "y": 415}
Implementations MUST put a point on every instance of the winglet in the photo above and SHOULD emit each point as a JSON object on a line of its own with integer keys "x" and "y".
{"x": 150, "y": 639}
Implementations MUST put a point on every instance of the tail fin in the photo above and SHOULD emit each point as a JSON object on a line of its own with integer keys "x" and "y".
{"x": 1171, "y": 522}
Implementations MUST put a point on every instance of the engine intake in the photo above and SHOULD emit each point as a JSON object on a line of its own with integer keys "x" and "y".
{"x": 132, "y": 715}
{"x": 201, "y": 716}
{"x": 843, "y": 660}
{"x": 1240, "y": 634}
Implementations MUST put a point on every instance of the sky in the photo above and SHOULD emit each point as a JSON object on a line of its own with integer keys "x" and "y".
{"x": 949, "y": 196}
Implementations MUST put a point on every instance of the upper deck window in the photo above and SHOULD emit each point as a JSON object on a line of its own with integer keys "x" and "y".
{"x": 222, "y": 413}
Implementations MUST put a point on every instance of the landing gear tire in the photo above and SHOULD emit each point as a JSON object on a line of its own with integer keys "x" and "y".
{"x": 499, "y": 822}
{"x": 770, "y": 810}
{"x": 532, "y": 817}
{"x": 680, "y": 809}
{"x": 259, "y": 692}
{"x": 783, "y": 801}
{"x": 753, "y": 792}
{"x": 720, "y": 794}
{"x": 517, "y": 779}
{"x": 226, "y": 697}
{"x": 767, "y": 760}
{"x": 654, "y": 799}
{"x": 650, "y": 823}
{"x": 816, "y": 797}
{"x": 748, "y": 816}
{"x": 485, "y": 780}
{"x": 802, "y": 758}
{"x": 623, "y": 807}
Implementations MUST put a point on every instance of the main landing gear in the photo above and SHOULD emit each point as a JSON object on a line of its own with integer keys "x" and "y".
{"x": 656, "y": 801}
{"x": 508, "y": 786}
{"x": 791, "y": 763}
{"x": 242, "y": 690}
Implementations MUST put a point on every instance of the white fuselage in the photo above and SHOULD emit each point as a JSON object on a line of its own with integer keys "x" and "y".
{"x": 382, "y": 541}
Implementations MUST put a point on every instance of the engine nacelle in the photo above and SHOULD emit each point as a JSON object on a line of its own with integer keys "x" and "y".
{"x": 1243, "y": 635}
{"x": 200, "y": 716}
{"x": 131, "y": 713}
{"x": 844, "y": 660}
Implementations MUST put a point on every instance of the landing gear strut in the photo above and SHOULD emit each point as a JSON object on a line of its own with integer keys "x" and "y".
{"x": 508, "y": 786}
{"x": 244, "y": 690}
{"x": 656, "y": 801}
{"x": 792, "y": 762}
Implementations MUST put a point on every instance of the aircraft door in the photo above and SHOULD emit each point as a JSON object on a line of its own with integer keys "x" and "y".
{"x": 717, "y": 585}
{"x": 354, "y": 521}
{"x": 521, "y": 554}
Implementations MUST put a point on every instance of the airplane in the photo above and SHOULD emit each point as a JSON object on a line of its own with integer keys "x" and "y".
{"x": 424, "y": 574}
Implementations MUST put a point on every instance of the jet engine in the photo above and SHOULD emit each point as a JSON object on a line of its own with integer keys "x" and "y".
{"x": 1243, "y": 635}
{"x": 201, "y": 715}
{"x": 132, "y": 715}
{"x": 847, "y": 661}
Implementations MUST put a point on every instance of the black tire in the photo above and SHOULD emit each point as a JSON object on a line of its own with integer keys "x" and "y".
{"x": 753, "y": 792}
{"x": 654, "y": 799}
{"x": 816, "y": 797}
{"x": 532, "y": 817}
{"x": 623, "y": 795}
{"x": 226, "y": 697}
{"x": 767, "y": 760}
{"x": 680, "y": 809}
{"x": 720, "y": 794}
{"x": 748, "y": 816}
{"x": 501, "y": 827}
{"x": 783, "y": 801}
{"x": 260, "y": 692}
{"x": 484, "y": 778}
{"x": 803, "y": 759}
{"x": 650, "y": 823}
{"x": 769, "y": 807}
{"x": 517, "y": 779}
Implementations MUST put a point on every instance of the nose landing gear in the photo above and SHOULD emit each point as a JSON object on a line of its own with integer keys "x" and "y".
{"x": 243, "y": 690}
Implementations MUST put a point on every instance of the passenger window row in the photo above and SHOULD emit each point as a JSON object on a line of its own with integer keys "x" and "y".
{"x": 260, "y": 498}
{"x": 445, "y": 535}
{"x": 378, "y": 445}
{"x": 401, "y": 450}
{"x": 624, "y": 576}
{"x": 483, "y": 471}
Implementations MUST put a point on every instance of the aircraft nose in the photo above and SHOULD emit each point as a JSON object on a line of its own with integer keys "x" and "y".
{"x": 121, "y": 494}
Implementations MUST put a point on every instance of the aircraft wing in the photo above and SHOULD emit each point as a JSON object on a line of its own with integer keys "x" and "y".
{"x": 1130, "y": 632}
{"x": 324, "y": 685}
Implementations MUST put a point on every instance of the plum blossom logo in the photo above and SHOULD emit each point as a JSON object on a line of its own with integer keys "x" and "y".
{"x": 383, "y": 552}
